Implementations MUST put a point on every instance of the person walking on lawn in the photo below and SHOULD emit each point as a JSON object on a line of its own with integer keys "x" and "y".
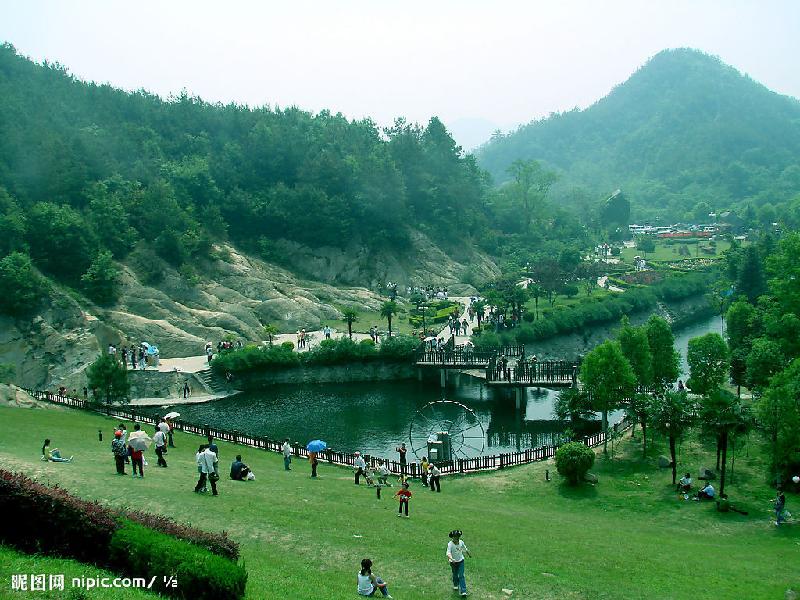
{"x": 456, "y": 550}
{"x": 208, "y": 463}
{"x": 433, "y": 478}
{"x": 403, "y": 495}
{"x": 120, "y": 452}
{"x": 161, "y": 447}
{"x": 359, "y": 465}
{"x": 287, "y": 455}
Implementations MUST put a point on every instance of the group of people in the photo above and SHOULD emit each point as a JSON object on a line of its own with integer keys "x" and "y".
{"x": 368, "y": 584}
{"x": 126, "y": 450}
{"x": 457, "y": 327}
{"x": 429, "y": 291}
{"x": 135, "y": 356}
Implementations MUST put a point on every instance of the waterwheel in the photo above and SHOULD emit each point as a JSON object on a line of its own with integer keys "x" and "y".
{"x": 446, "y": 430}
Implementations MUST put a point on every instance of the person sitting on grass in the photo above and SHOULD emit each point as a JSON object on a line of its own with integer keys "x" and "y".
{"x": 368, "y": 583}
{"x": 239, "y": 470}
{"x": 53, "y": 455}
{"x": 685, "y": 483}
{"x": 707, "y": 492}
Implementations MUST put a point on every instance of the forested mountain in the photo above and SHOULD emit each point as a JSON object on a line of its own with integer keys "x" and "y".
{"x": 685, "y": 135}
{"x": 86, "y": 168}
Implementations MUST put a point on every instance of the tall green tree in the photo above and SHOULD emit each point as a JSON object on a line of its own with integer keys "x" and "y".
{"x": 708, "y": 359}
{"x": 388, "y": 310}
{"x": 784, "y": 274}
{"x": 751, "y": 280}
{"x": 671, "y": 415}
{"x": 101, "y": 280}
{"x": 666, "y": 360}
{"x": 608, "y": 378}
{"x": 349, "y": 316}
{"x": 635, "y": 346}
{"x": 764, "y": 360}
{"x": 23, "y": 287}
{"x": 779, "y": 413}
{"x": 722, "y": 414}
{"x": 270, "y": 331}
{"x": 110, "y": 377}
{"x": 532, "y": 182}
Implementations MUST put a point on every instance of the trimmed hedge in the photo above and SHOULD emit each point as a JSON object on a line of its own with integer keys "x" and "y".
{"x": 137, "y": 551}
{"x": 51, "y": 521}
{"x": 328, "y": 352}
{"x": 218, "y": 543}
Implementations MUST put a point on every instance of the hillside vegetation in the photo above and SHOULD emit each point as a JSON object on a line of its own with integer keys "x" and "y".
{"x": 684, "y": 135}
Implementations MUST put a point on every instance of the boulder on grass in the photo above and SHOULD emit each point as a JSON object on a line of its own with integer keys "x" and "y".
{"x": 664, "y": 462}
{"x": 591, "y": 478}
{"x": 706, "y": 474}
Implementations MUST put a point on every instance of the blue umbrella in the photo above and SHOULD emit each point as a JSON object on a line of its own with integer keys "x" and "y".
{"x": 316, "y": 446}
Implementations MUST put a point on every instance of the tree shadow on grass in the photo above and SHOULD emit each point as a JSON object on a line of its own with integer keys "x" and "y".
{"x": 582, "y": 491}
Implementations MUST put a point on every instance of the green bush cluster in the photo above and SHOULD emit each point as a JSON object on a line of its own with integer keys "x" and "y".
{"x": 137, "y": 551}
{"x": 329, "y": 352}
{"x": 573, "y": 461}
{"x": 51, "y": 521}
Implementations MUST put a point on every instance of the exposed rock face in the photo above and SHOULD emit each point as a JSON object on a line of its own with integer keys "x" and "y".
{"x": 236, "y": 294}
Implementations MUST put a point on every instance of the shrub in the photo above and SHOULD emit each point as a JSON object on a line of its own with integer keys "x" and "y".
{"x": 49, "y": 520}
{"x": 573, "y": 461}
{"x": 137, "y": 551}
{"x": 399, "y": 347}
{"x": 23, "y": 287}
{"x": 218, "y": 543}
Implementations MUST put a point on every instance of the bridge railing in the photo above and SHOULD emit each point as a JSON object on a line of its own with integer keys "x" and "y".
{"x": 465, "y": 465}
{"x": 555, "y": 371}
{"x": 455, "y": 357}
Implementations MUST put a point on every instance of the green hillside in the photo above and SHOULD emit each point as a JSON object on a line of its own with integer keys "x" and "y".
{"x": 100, "y": 169}
{"x": 686, "y": 134}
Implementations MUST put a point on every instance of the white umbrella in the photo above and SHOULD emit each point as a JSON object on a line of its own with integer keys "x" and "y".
{"x": 145, "y": 344}
{"x": 139, "y": 440}
{"x": 430, "y": 337}
{"x": 172, "y": 415}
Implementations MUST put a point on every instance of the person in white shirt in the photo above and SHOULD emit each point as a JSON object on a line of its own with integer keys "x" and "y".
{"x": 358, "y": 465}
{"x": 685, "y": 483}
{"x": 434, "y": 475}
{"x": 207, "y": 462}
{"x": 383, "y": 473}
{"x": 160, "y": 441}
{"x": 368, "y": 583}
{"x": 287, "y": 455}
{"x": 456, "y": 550}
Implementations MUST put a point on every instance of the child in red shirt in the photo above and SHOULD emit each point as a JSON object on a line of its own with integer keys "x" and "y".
{"x": 403, "y": 495}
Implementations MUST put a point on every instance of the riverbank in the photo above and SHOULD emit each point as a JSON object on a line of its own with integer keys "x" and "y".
{"x": 571, "y": 346}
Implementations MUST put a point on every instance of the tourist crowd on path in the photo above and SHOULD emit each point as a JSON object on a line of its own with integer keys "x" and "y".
{"x": 429, "y": 292}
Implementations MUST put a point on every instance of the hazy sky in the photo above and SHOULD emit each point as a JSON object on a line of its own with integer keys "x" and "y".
{"x": 497, "y": 61}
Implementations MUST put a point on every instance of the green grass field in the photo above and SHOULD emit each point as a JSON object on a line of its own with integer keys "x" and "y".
{"x": 368, "y": 318}
{"x": 630, "y": 536}
{"x": 668, "y": 253}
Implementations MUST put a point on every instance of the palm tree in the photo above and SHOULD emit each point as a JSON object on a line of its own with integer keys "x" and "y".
{"x": 270, "y": 331}
{"x": 349, "y": 316}
{"x": 389, "y": 309}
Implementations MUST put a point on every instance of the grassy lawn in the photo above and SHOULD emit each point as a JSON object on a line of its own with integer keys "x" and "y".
{"x": 628, "y": 537}
{"x": 15, "y": 563}
{"x": 565, "y": 301}
{"x": 669, "y": 253}
{"x": 368, "y": 318}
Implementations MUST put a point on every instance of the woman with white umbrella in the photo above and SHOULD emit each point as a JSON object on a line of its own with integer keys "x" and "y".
{"x": 138, "y": 442}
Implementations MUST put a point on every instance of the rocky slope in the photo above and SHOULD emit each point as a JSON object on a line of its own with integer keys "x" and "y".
{"x": 234, "y": 294}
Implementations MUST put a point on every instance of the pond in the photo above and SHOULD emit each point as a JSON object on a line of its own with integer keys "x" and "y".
{"x": 376, "y": 417}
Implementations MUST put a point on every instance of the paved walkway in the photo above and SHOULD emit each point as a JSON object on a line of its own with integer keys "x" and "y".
{"x": 195, "y": 399}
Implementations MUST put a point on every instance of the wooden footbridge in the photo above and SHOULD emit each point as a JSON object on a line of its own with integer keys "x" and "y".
{"x": 505, "y": 367}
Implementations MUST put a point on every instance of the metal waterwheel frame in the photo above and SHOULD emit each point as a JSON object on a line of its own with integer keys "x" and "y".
{"x": 456, "y": 428}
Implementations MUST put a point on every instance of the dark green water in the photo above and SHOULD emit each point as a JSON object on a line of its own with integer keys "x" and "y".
{"x": 376, "y": 417}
